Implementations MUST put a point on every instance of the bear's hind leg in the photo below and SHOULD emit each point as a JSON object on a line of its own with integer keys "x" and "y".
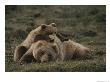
{"x": 19, "y": 51}
{"x": 27, "y": 57}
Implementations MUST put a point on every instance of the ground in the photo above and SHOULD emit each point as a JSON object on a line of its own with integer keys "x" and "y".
{"x": 84, "y": 24}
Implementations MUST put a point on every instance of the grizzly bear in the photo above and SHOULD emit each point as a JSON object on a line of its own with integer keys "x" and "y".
{"x": 58, "y": 43}
{"x": 41, "y": 51}
{"x": 37, "y": 34}
{"x": 46, "y": 53}
{"x": 69, "y": 49}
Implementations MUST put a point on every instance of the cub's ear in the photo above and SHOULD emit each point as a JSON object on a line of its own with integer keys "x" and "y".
{"x": 43, "y": 26}
{"x": 53, "y": 24}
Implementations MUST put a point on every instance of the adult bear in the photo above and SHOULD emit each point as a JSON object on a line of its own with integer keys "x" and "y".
{"x": 41, "y": 51}
{"x": 39, "y": 33}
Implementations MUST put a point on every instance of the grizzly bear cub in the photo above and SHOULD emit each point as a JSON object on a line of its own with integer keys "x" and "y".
{"x": 70, "y": 49}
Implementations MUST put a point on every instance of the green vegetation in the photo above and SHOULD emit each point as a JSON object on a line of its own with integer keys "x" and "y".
{"x": 87, "y": 23}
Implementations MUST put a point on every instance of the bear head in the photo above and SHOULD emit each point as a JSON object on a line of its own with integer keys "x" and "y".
{"x": 48, "y": 29}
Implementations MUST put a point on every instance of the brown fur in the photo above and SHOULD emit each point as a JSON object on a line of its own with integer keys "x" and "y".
{"x": 41, "y": 51}
{"x": 46, "y": 53}
{"x": 69, "y": 49}
{"x": 37, "y": 34}
{"x": 58, "y": 42}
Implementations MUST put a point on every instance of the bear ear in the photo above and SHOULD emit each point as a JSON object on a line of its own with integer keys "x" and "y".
{"x": 53, "y": 24}
{"x": 43, "y": 26}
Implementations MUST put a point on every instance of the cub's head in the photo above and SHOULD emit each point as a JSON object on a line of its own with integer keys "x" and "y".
{"x": 48, "y": 29}
{"x": 55, "y": 38}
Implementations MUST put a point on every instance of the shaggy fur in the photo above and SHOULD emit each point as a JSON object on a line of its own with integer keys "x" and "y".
{"x": 37, "y": 34}
{"x": 41, "y": 51}
{"x": 69, "y": 49}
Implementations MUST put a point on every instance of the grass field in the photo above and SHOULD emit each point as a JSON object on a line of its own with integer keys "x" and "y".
{"x": 87, "y": 23}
